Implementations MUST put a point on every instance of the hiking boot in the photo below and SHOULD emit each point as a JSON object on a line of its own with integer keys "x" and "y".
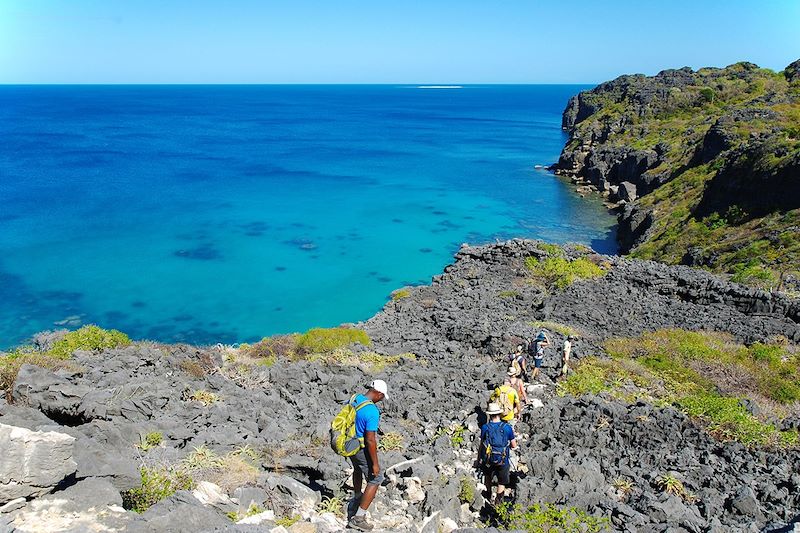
{"x": 360, "y": 523}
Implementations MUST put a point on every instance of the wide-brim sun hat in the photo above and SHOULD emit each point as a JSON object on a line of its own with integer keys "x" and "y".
{"x": 494, "y": 409}
{"x": 380, "y": 386}
{"x": 512, "y": 371}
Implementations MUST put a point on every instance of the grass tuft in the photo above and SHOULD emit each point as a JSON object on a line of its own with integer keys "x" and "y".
{"x": 560, "y": 272}
{"x": 540, "y": 518}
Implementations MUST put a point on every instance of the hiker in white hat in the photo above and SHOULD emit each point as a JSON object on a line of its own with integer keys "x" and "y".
{"x": 365, "y": 462}
{"x": 497, "y": 439}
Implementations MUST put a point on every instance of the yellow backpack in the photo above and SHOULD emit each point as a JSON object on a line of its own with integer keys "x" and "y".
{"x": 343, "y": 429}
{"x": 502, "y": 395}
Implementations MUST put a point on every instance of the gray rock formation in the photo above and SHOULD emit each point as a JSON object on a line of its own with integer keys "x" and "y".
{"x": 33, "y": 462}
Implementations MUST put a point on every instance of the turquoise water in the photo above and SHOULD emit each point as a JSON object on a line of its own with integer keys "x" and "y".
{"x": 226, "y": 213}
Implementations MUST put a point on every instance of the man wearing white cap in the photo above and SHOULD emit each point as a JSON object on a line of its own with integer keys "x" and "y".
{"x": 365, "y": 462}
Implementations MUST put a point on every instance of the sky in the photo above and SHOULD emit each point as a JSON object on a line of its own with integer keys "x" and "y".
{"x": 378, "y": 41}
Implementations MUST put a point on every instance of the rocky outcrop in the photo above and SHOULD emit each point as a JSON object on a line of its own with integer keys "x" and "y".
{"x": 34, "y": 462}
{"x": 725, "y": 137}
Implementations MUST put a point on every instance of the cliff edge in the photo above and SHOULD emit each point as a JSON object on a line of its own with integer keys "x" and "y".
{"x": 704, "y": 166}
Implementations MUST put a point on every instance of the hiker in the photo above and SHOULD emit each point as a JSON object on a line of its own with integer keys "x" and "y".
{"x": 537, "y": 347}
{"x": 354, "y": 434}
{"x": 566, "y": 351}
{"x": 507, "y": 398}
{"x": 497, "y": 439}
{"x": 517, "y": 383}
{"x": 519, "y": 362}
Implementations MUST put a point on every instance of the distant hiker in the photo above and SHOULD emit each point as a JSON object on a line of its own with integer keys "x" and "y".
{"x": 517, "y": 383}
{"x": 497, "y": 439}
{"x": 537, "y": 347}
{"x": 354, "y": 434}
{"x": 519, "y": 362}
{"x": 507, "y": 397}
{"x": 566, "y": 351}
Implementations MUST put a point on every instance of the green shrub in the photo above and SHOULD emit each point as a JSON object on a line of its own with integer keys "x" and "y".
{"x": 508, "y": 294}
{"x": 455, "y": 433}
{"x": 560, "y": 272}
{"x": 399, "y": 294}
{"x": 151, "y": 440}
{"x": 543, "y": 518}
{"x": 321, "y": 340}
{"x": 466, "y": 490}
{"x": 204, "y": 397}
{"x": 751, "y": 273}
{"x": 551, "y": 249}
{"x": 287, "y": 521}
{"x": 157, "y": 484}
{"x": 89, "y": 338}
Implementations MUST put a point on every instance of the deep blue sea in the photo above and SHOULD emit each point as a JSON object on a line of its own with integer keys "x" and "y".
{"x": 226, "y": 213}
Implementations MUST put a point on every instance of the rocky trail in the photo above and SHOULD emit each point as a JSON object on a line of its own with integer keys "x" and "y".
{"x": 252, "y": 435}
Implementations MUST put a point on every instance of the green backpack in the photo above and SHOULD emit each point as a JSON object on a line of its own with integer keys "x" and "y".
{"x": 343, "y": 429}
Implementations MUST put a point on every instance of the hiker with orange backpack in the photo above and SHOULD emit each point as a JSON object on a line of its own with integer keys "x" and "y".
{"x": 354, "y": 434}
{"x": 497, "y": 440}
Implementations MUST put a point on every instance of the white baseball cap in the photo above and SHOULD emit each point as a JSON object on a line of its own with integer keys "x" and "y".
{"x": 380, "y": 386}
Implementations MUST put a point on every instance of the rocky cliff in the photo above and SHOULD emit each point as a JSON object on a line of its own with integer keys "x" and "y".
{"x": 705, "y": 166}
{"x": 234, "y": 438}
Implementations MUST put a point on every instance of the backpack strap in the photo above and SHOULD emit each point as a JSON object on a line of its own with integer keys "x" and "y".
{"x": 363, "y": 404}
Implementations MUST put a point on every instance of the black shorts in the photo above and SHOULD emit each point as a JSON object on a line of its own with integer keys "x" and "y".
{"x": 501, "y": 473}
{"x": 361, "y": 461}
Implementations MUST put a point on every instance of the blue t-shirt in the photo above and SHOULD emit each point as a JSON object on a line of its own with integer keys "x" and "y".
{"x": 367, "y": 418}
{"x": 509, "y": 435}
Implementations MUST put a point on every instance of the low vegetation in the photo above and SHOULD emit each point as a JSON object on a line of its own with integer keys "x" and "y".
{"x": 234, "y": 469}
{"x": 204, "y": 397}
{"x": 151, "y": 440}
{"x": 455, "y": 433}
{"x": 399, "y": 294}
{"x": 545, "y": 518}
{"x": 557, "y": 327}
{"x": 157, "y": 483}
{"x": 300, "y": 346}
{"x": 330, "y": 346}
{"x": 560, "y": 272}
{"x": 391, "y": 441}
{"x": 706, "y": 375}
{"x": 466, "y": 489}
{"x": 670, "y": 484}
{"x": 332, "y": 504}
{"x": 88, "y": 338}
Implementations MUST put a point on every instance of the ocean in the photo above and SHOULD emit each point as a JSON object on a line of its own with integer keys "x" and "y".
{"x": 213, "y": 214}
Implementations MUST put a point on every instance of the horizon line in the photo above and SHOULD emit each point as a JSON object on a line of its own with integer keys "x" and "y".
{"x": 402, "y": 84}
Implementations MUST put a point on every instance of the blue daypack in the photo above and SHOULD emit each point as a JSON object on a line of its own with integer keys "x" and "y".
{"x": 495, "y": 445}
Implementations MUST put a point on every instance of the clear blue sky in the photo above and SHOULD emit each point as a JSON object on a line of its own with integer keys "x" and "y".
{"x": 377, "y": 41}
